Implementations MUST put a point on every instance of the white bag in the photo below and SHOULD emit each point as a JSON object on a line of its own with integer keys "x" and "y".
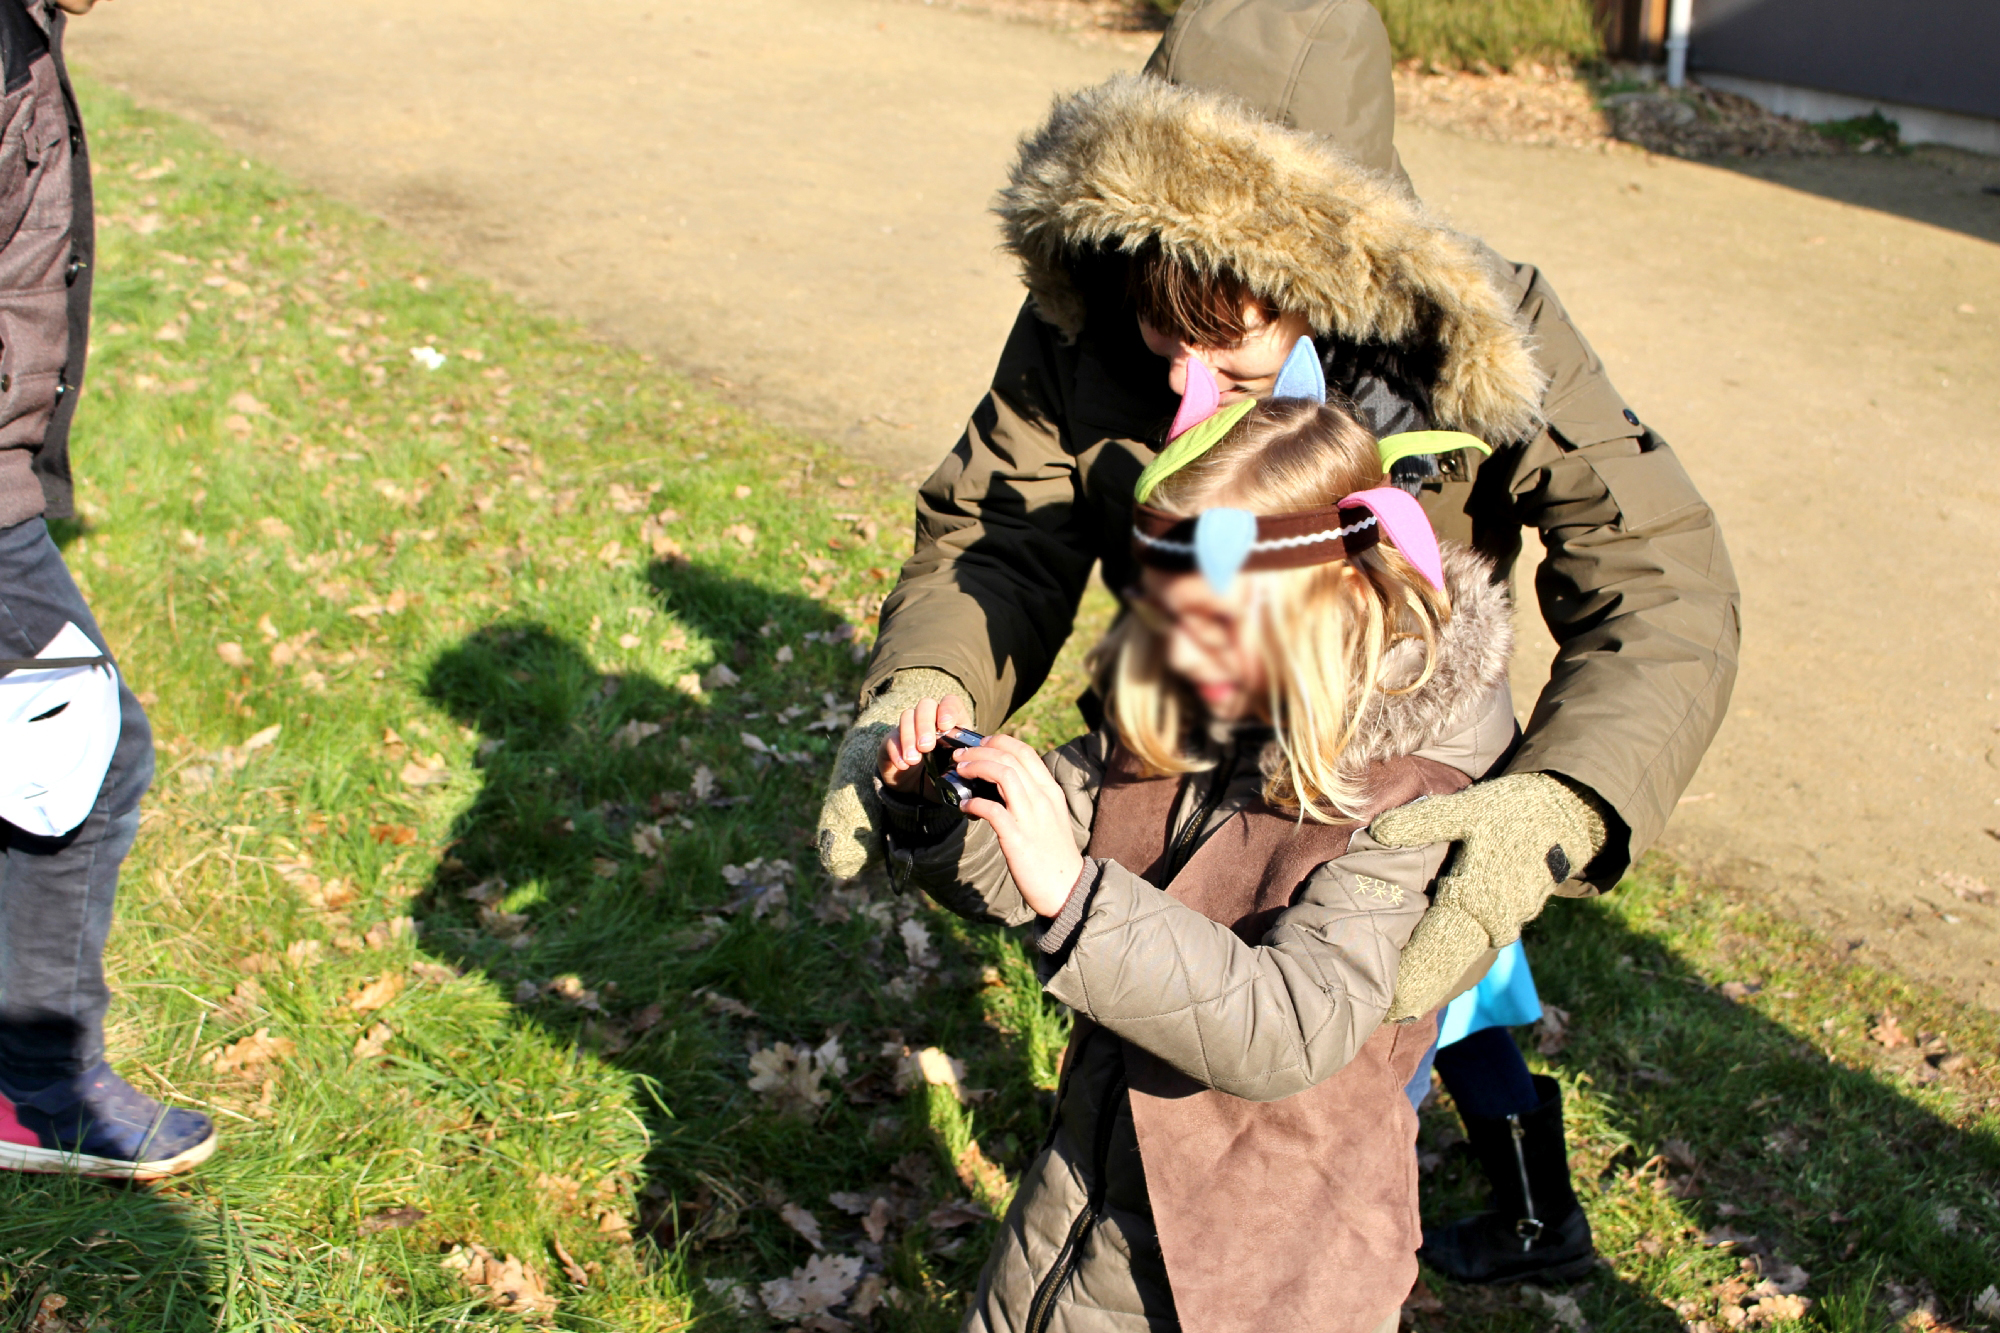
{"x": 58, "y": 729}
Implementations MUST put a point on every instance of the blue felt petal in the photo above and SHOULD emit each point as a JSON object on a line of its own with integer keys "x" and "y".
{"x": 1222, "y": 541}
{"x": 1302, "y": 376}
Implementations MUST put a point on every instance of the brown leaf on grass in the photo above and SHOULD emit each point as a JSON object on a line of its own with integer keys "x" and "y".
{"x": 507, "y": 1284}
{"x": 571, "y": 1269}
{"x": 372, "y": 1043}
{"x": 433, "y": 974}
{"x": 790, "y": 1078}
{"x": 876, "y": 1223}
{"x": 1727, "y": 1235}
{"x": 232, "y": 654}
{"x": 986, "y": 1181}
{"x": 723, "y": 1004}
{"x": 743, "y": 533}
{"x": 1552, "y": 1030}
{"x": 48, "y": 1318}
{"x": 326, "y": 895}
{"x": 374, "y": 994}
{"x": 384, "y": 933}
{"x": 245, "y": 999}
{"x": 1680, "y": 1152}
{"x": 956, "y": 1213}
{"x": 303, "y": 953}
{"x": 813, "y": 1290}
{"x": 802, "y": 1221}
{"x": 1777, "y": 1309}
{"x": 427, "y": 773}
{"x": 392, "y": 1219}
{"x": 641, "y": 1021}
{"x": 251, "y": 1053}
{"x": 397, "y": 835}
{"x": 257, "y": 962}
{"x": 1740, "y": 991}
{"x": 1889, "y": 1032}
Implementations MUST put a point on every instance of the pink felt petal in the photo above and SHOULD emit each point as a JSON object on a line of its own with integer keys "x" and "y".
{"x": 12, "y": 1130}
{"x": 1198, "y": 401}
{"x": 1404, "y": 524}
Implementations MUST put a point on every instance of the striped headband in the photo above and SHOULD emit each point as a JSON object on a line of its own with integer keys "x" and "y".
{"x": 1223, "y": 542}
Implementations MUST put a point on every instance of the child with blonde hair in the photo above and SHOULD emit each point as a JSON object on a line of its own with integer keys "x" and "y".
{"x": 1232, "y": 1146}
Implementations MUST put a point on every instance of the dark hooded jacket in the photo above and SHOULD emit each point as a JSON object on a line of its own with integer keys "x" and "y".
{"x": 47, "y": 246}
{"x": 1259, "y": 140}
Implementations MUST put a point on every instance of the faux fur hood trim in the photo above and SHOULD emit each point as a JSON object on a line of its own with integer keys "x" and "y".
{"x": 1137, "y": 158}
{"x": 1472, "y": 655}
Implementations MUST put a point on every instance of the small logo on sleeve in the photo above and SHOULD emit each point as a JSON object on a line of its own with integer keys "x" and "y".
{"x": 1370, "y": 887}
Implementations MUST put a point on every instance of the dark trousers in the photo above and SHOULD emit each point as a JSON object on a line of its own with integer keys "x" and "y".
{"x": 56, "y": 893}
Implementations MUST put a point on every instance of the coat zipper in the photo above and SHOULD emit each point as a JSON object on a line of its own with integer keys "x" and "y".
{"x": 1189, "y": 840}
{"x": 1042, "y": 1309}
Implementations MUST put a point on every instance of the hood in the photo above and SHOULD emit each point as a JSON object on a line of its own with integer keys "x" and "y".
{"x": 1321, "y": 66}
{"x": 1472, "y": 656}
{"x": 1303, "y": 222}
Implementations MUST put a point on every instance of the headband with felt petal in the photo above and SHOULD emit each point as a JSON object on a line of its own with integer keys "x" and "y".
{"x": 1221, "y": 543}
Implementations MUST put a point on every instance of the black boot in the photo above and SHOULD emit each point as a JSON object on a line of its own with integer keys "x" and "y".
{"x": 1536, "y": 1231}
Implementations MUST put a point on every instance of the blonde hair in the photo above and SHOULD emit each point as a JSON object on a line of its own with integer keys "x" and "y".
{"x": 1323, "y": 633}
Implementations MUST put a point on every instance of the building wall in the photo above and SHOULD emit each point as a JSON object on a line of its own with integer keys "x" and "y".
{"x": 1943, "y": 54}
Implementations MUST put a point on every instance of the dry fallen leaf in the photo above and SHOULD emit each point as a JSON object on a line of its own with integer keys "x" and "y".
{"x": 433, "y": 974}
{"x": 917, "y": 944}
{"x": 1552, "y": 1030}
{"x": 252, "y": 1052}
{"x": 303, "y": 953}
{"x": 397, "y": 835}
{"x": 232, "y": 654}
{"x": 876, "y": 1223}
{"x": 372, "y": 1043}
{"x": 720, "y": 677}
{"x": 571, "y": 1269}
{"x": 392, "y": 1219}
{"x": 372, "y": 996}
{"x": 822, "y": 1284}
{"x": 741, "y": 532}
{"x": 803, "y": 1222}
{"x": 980, "y": 1175}
{"x": 1565, "y": 1309}
{"x": 790, "y": 1078}
{"x": 426, "y": 773}
{"x": 723, "y": 1004}
{"x": 956, "y": 1213}
{"x": 1889, "y": 1032}
{"x": 506, "y": 1283}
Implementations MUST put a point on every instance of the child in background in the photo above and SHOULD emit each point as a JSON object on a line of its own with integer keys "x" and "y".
{"x": 1232, "y": 1147}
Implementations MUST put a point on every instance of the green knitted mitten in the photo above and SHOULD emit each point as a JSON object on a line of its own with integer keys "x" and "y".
{"x": 1520, "y": 836}
{"x": 850, "y": 818}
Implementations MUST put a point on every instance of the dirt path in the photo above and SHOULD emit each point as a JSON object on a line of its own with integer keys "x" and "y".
{"x": 790, "y": 194}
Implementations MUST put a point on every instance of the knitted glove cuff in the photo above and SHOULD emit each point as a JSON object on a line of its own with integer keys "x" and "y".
{"x": 906, "y": 689}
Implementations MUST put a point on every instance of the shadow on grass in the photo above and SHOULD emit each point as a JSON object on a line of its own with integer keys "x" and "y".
{"x": 1694, "y": 1112}
{"x": 97, "y": 1245}
{"x": 1697, "y": 1112}
{"x": 587, "y": 876}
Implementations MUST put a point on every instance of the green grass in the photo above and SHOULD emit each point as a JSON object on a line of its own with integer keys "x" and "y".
{"x": 1866, "y": 133}
{"x": 1474, "y": 34}
{"x": 442, "y": 587}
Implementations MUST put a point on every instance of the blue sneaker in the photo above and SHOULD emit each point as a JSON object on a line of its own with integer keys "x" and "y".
{"x": 97, "y": 1124}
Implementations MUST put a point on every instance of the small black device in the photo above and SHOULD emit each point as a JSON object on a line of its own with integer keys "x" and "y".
{"x": 942, "y": 766}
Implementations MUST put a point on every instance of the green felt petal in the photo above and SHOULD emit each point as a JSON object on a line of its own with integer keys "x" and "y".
{"x": 1412, "y": 442}
{"x": 1189, "y": 445}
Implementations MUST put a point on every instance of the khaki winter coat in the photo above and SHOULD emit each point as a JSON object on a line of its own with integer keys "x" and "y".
{"x": 1232, "y": 1151}
{"x": 1296, "y": 188}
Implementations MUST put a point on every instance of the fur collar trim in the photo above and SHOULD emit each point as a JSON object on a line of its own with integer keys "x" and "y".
{"x": 1138, "y": 158}
{"x": 1472, "y": 657}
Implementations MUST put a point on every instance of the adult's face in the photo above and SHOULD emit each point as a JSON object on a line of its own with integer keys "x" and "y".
{"x": 75, "y": 6}
{"x": 1247, "y": 370}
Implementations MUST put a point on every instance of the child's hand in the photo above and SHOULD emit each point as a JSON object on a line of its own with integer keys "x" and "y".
{"x": 1033, "y": 824}
{"x": 915, "y": 736}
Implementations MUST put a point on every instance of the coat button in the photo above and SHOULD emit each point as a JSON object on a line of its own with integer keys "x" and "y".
{"x": 69, "y": 274}
{"x": 6, "y": 383}
{"x": 1631, "y": 416}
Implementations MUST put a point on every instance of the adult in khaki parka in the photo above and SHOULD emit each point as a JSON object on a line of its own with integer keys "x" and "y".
{"x": 1258, "y": 144}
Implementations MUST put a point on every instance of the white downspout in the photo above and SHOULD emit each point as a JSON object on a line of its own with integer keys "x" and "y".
{"x": 1680, "y": 15}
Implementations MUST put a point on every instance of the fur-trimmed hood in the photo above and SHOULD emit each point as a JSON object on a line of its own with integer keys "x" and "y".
{"x": 1472, "y": 655}
{"x": 1138, "y": 159}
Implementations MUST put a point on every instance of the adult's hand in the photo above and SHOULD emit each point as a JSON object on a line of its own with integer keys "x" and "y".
{"x": 1031, "y": 819}
{"x": 850, "y": 818}
{"x": 1519, "y": 837}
